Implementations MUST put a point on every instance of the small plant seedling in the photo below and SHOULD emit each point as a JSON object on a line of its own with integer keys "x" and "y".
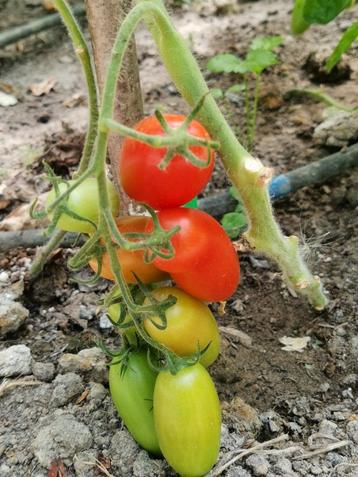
{"x": 259, "y": 57}
{"x": 320, "y": 12}
{"x": 235, "y": 223}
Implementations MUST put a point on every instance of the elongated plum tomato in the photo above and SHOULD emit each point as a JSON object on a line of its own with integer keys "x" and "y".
{"x": 179, "y": 182}
{"x": 84, "y": 202}
{"x": 187, "y": 419}
{"x": 130, "y": 261}
{"x": 131, "y": 386}
{"x": 190, "y": 325}
{"x": 205, "y": 263}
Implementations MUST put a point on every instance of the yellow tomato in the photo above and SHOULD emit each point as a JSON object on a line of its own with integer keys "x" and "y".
{"x": 190, "y": 324}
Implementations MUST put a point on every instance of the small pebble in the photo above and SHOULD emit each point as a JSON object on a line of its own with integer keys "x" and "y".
{"x": 43, "y": 371}
{"x": 4, "y": 277}
{"x": 352, "y": 431}
{"x": 104, "y": 323}
{"x": 259, "y": 464}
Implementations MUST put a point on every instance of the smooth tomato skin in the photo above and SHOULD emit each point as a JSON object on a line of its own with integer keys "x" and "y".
{"x": 180, "y": 182}
{"x": 187, "y": 420}
{"x": 205, "y": 263}
{"x": 132, "y": 394}
{"x": 84, "y": 202}
{"x": 190, "y": 324}
{"x": 214, "y": 280}
{"x": 194, "y": 240}
{"x": 130, "y": 261}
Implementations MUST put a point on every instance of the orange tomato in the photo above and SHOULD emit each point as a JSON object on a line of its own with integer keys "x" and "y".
{"x": 130, "y": 261}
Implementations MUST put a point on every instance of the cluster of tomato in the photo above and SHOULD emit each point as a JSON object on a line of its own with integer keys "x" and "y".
{"x": 177, "y": 415}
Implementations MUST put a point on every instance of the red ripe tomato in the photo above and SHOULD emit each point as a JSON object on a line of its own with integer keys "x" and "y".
{"x": 179, "y": 182}
{"x": 205, "y": 264}
{"x": 130, "y": 261}
{"x": 213, "y": 280}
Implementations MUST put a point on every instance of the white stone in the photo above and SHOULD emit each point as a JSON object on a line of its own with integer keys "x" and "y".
{"x": 15, "y": 361}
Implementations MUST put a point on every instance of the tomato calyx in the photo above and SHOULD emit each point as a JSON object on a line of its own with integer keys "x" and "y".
{"x": 174, "y": 363}
{"x": 176, "y": 140}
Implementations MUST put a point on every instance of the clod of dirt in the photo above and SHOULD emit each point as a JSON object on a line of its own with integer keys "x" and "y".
{"x": 271, "y": 98}
{"x": 12, "y": 315}
{"x": 338, "y": 130}
{"x": 62, "y": 151}
{"x": 243, "y": 415}
{"x": 91, "y": 362}
{"x": 67, "y": 386}
{"x": 123, "y": 462}
{"x": 144, "y": 466}
{"x": 283, "y": 467}
{"x": 258, "y": 464}
{"x": 15, "y": 361}
{"x": 85, "y": 464}
{"x": 49, "y": 285}
{"x": 43, "y": 371}
{"x": 352, "y": 430}
{"x": 315, "y": 67}
{"x": 60, "y": 437}
{"x": 96, "y": 392}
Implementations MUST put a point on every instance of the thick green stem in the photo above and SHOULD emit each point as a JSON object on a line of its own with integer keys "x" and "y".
{"x": 81, "y": 49}
{"x": 247, "y": 173}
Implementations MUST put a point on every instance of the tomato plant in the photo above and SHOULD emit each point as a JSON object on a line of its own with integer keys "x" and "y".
{"x": 83, "y": 202}
{"x": 143, "y": 179}
{"x": 205, "y": 263}
{"x": 130, "y": 261}
{"x": 131, "y": 384}
{"x": 190, "y": 325}
{"x": 165, "y": 161}
{"x": 188, "y": 419}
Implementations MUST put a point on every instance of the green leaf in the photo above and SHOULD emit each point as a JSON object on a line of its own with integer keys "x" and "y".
{"x": 258, "y": 60}
{"x": 323, "y": 11}
{"x": 225, "y": 63}
{"x": 234, "y": 223}
{"x": 267, "y": 42}
{"x": 217, "y": 93}
{"x": 234, "y": 193}
{"x": 345, "y": 42}
{"x": 235, "y": 89}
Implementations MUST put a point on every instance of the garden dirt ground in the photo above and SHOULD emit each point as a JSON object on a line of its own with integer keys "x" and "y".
{"x": 64, "y": 421}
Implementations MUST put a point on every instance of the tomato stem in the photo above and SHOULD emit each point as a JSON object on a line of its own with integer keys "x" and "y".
{"x": 247, "y": 173}
{"x": 82, "y": 51}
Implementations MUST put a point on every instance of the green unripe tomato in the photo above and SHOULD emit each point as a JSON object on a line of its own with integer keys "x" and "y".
{"x": 132, "y": 394}
{"x": 130, "y": 331}
{"x": 84, "y": 202}
{"x": 187, "y": 419}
